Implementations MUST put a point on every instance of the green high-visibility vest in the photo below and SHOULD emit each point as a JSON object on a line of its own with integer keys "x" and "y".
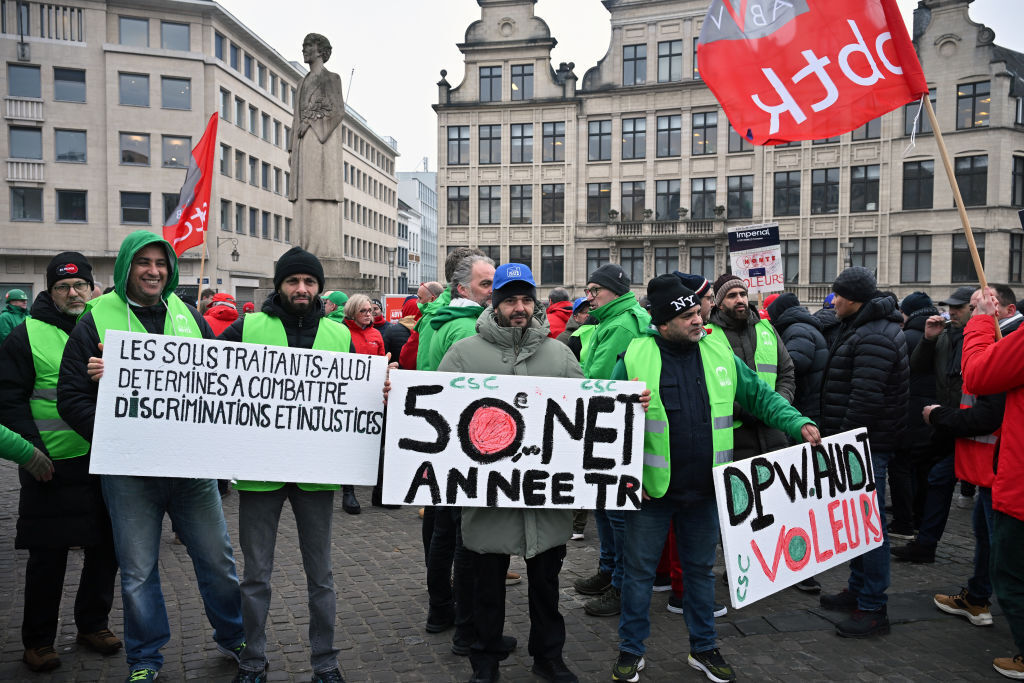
{"x": 586, "y": 335}
{"x": 47, "y": 343}
{"x": 766, "y": 352}
{"x": 643, "y": 361}
{"x": 268, "y": 330}
{"x": 111, "y": 312}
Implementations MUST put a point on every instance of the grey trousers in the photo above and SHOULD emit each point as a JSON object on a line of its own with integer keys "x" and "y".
{"x": 258, "y": 516}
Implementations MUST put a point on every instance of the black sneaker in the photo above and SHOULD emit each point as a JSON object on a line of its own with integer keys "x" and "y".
{"x": 904, "y": 532}
{"x": 843, "y": 601}
{"x": 810, "y": 585}
{"x": 862, "y": 624}
{"x": 463, "y": 649}
{"x": 915, "y": 552}
{"x": 713, "y": 665}
{"x": 486, "y": 674}
{"x": 234, "y": 652}
{"x": 331, "y": 676}
{"x": 675, "y": 605}
{"x": 349, "y": 503}
{"x": 593, "y": 585}
{"x": 608, "y": 604}
{"x": 245, "y": 676}
{"x": 628, "y": 667}
{"x": 553, "y": 670}
{"x": 439, "y": 621}
{"x": 662, "y": 583}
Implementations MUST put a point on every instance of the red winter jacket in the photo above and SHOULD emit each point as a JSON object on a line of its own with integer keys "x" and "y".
{"x": 220, "y": 317}
{"x": 365, "y": 340}
{"x": 558, "y": 315}
{"x": 991, "y": 367}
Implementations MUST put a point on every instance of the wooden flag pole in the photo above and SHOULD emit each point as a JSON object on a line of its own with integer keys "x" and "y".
{"x": 944, "y": 153}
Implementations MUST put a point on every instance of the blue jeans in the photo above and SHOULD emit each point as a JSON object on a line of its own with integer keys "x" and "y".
{"x": 979, "y": 586}
{"x": 941, "y": 484}
{"x": 137, "y": 506}
{"x": 869, "y": 573}
{"x": 610, "y": 529}
{"x": 696, "y": 526}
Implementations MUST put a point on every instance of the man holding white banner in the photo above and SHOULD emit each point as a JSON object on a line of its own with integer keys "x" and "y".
{"x": 687, "y": 433}
{"x": 143, "y": 300}
{"x": 294, "y": 317}
{"x": 512, "y": 339}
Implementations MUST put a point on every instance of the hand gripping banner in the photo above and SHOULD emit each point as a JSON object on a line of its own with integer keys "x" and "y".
{"x": 787, "y": 70}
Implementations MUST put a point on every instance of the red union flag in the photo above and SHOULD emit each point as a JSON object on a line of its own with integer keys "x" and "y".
{"x": 186, "y": 226}
{"x": 786, "y": 70}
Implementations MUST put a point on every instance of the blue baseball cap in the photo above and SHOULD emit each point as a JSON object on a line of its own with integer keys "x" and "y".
{"x": 508, "y": 273}
{"x": 829, "y": 301}
{"x": 576, "y": 304}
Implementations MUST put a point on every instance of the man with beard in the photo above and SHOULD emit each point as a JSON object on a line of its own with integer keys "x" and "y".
{"x": 512, "y": 340}
{"x": 734, "y": 323}
{"x": 143, "y": 301}
{"x": 292, "y": 316}
{"x": 66, "y": 510}
{"x": 694, "y": 383}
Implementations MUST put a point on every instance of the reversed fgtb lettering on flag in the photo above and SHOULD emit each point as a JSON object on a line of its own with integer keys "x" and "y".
{"x": 186, "y": 226}
{"x": 786, "y": 70}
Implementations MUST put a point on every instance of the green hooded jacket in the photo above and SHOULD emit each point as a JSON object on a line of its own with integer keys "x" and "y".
{"x": 425, "y": 331}
{"x": 13, "y": 447}
{"x": 450, "y": 324}
{"x": 620, "y": 321}
{"x": 11, "y": 317}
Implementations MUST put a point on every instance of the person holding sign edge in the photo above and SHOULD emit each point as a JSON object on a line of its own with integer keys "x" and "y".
{"x": 694, "y": 384}
{"x": 292, "y": 316}
{"x": 143, "y": 300}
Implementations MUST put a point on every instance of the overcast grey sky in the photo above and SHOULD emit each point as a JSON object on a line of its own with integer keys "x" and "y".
{"x": 398, "y": 47}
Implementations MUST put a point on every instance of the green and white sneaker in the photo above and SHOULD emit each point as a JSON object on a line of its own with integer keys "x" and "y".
{"x": 627, "y": 667}
{"x": 713, "y": 665}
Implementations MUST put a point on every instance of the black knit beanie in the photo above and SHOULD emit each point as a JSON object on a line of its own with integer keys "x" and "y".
{"x": 612, "y": 277}
{"x": 68, "y": 264}
{"x": 856, "y": 283}
{"x": 669, "y": 298}
{"x": 297, "y": 261}
{"x": 782, "y": 303}
{"x": 915, "y": 302}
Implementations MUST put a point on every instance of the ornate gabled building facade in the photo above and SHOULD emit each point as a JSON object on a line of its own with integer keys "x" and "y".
{"x": 636, "y": 164}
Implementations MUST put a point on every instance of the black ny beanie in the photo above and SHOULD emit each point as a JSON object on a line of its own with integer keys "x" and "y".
{"x": 68, "y": 264}
{"x": 669, "y": 297}
{"x": 297, "y": 261}
{"x": 612, "y": 277}
{"x": 856, "y": 283}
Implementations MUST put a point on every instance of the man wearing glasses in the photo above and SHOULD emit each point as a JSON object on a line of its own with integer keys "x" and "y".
{"x": 61, "y": 503}
{"x": 620, "y": 320}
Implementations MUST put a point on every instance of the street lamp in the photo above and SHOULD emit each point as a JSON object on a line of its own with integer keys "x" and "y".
{"x": 234, "y": 247}
{"x": 391, "y": 251}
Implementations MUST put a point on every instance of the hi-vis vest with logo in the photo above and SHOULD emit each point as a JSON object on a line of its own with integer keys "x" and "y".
{"x": 766, "y": 353}
{"x": 260, "y": 328}
{"x": 974, "y": 454}
{"x": 586, "y": 335}
{"x": 643, "y": 361}
{"x": 47, "y": 343}
{"x": 111, "y": 312}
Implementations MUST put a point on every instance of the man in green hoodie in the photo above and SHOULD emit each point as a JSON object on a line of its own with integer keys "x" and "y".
{"x": 424, "y": 332}
{"x": 620, "y": 320}
{"x": 143, "y": 300}
{"x": 471, "y": 292}
{"x": 15, "y": 313}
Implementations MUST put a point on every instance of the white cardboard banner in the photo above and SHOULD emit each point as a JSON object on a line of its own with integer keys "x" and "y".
{"x": 755, "y": 255}
{"x": 478, "y": 440}
{"x": 178, "y": 407}
{"x": 793, "y": 513}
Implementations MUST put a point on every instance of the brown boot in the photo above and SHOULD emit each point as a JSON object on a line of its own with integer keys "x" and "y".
{"x": 41, "y": 658}
{"x": 103, "y": 641}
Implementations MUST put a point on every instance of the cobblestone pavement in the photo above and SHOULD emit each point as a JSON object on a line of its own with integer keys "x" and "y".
{"x": 378, "y": 570}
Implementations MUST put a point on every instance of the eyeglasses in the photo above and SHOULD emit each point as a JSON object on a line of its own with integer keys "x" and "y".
{"x": 80, "y": 287}
{"x": 592, "y": 291}
{"x": 365, "y": 310}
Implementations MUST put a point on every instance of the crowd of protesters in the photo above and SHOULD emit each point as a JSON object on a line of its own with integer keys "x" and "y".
{"x": 940, "y": 393}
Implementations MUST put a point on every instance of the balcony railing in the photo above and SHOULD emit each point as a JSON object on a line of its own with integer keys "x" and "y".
{"x": 25, "y": 170}
{"x": 23, "y": 108}
{"x": 656, "y": 228}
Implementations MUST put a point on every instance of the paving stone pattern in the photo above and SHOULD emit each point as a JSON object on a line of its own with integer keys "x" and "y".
{"x": 379, "y": 574}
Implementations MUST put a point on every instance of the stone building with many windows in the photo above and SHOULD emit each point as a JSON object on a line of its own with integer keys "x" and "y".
{"x": 103, "y": 102}
{"x": 637, "y": 164}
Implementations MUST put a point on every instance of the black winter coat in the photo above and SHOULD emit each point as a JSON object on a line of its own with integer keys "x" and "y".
{"x": 801, "y": 333}
{"x": 395, "y": 338}
{"x": 922, "y": 384}
{"x": 68, "y": 510}
{"x": 867, "y": 377}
